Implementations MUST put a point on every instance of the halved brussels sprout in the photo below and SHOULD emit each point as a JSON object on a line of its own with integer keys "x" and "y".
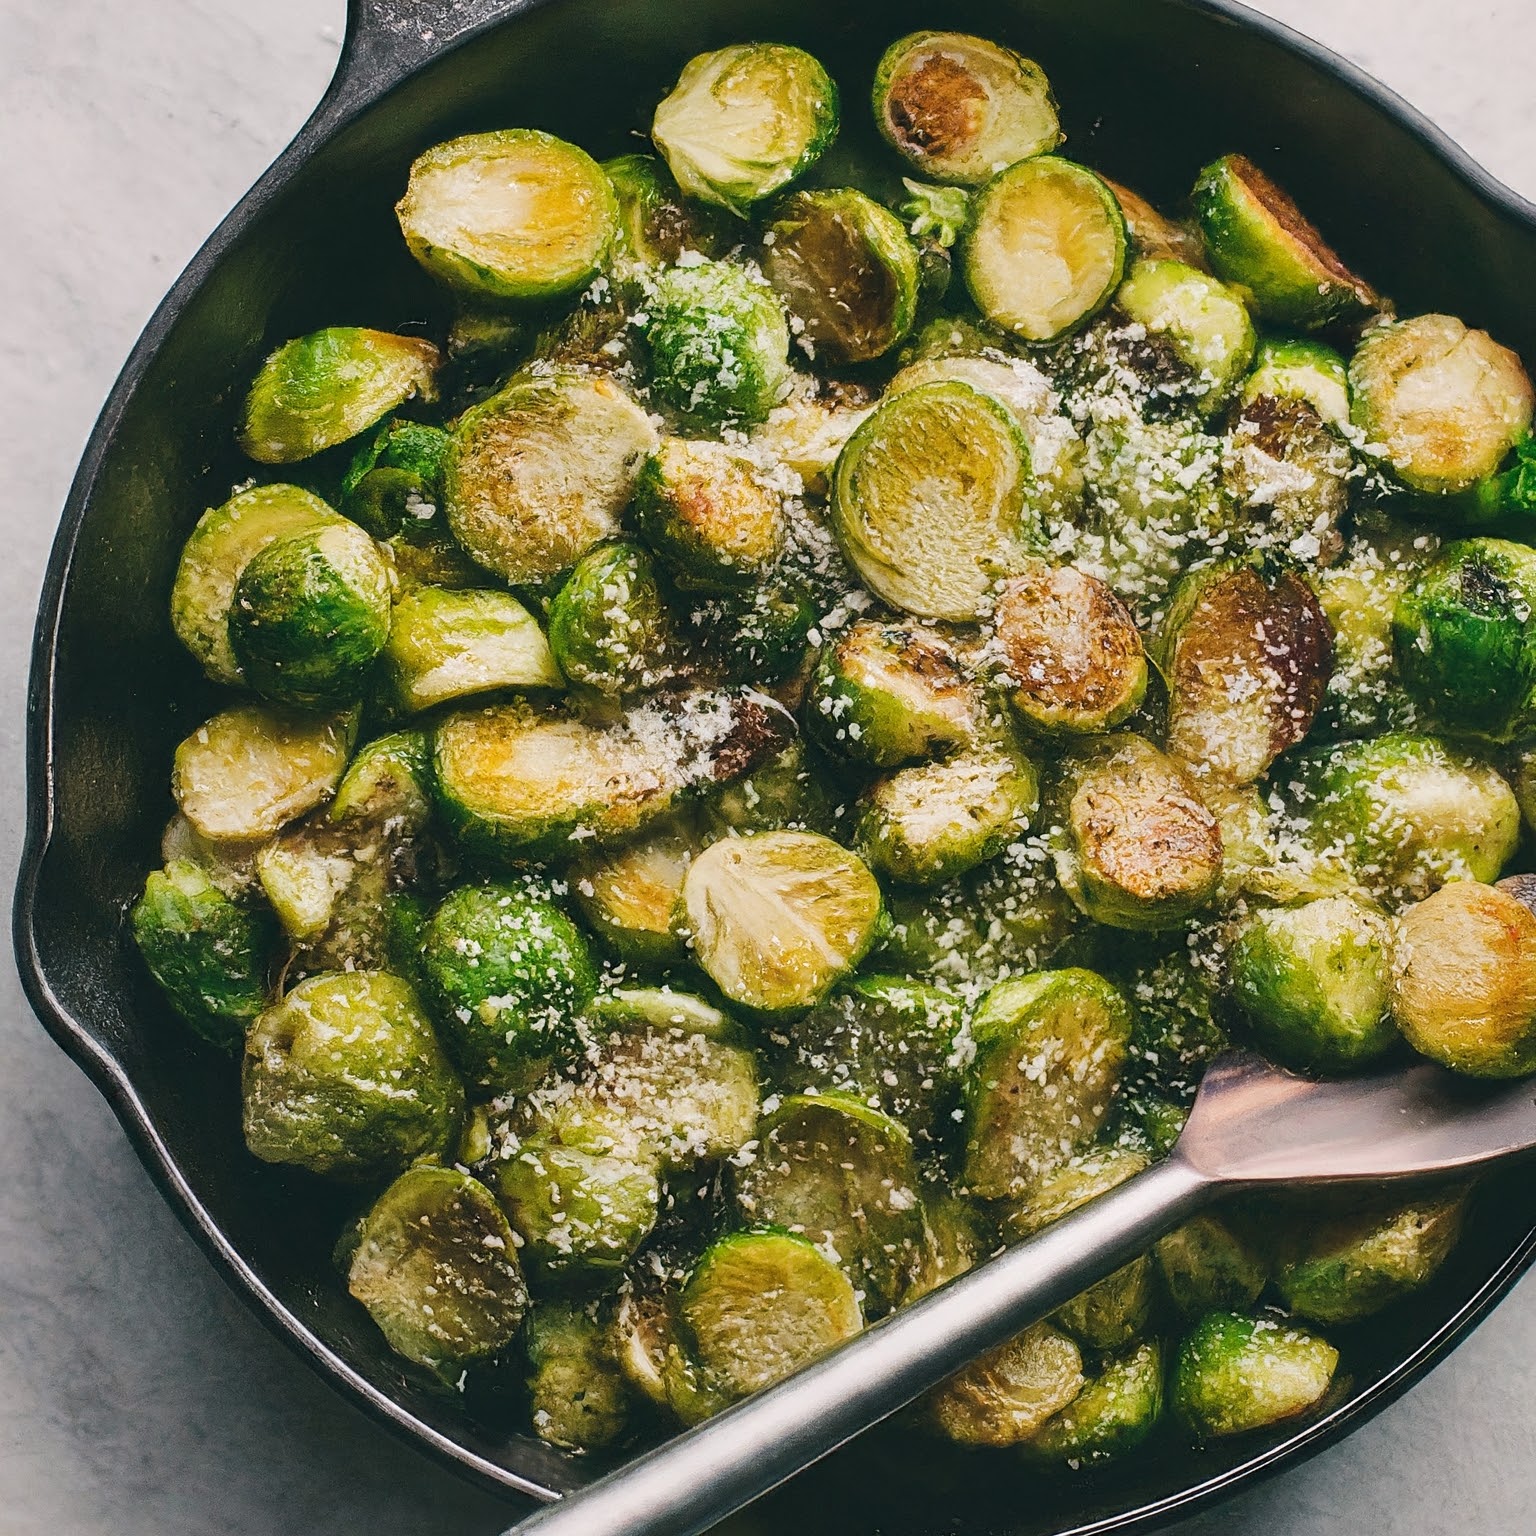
{"x": 1403, "y": 814}
{"x": 1247, "y": 660}
{"x": 1312, "y": 982}
{"x": 1258, "y": 238}
{"x": 785, "y": 792}
{"x": 719, "y": 343}
{"x": 388, "y": 785}
{"x": 580, "y": 1214}
{"x": 1153, "y": 234}
{"x": 929, "y": 823}
{"x": 828, "y": 1167}
{"x": 306, "y": 872}
{"x": 672, "y": 1086}
{"x": 846, "y": 271}
{"x": 960, "y": 108}
{"x": 1234, "y": 1374}
{"x": 435, "y": 1265}
{"x": 708, "y": 513}
{"x": 1209, "y": 1267}
{"x": 224, "y": 542}
{"x": 247, "y": 772}
{"x": 1044, "y": 249}
{"x": 930, "y": 499}
{"x": 656, "y": 224}
{"x": 759, "y": 1305}
{"x": 1072, "y": 659}
{"x": 577, "y": 1396}
{"x": 1140, "y": 849}
{"x": 1439, "y": 403}
{"x": 1465, "y": 642}
{"x": 806, "y": 431}
{"x": 449, "y": 645}
{"x": 1113, "y": 1311}
{"x": 228, "y": 867}
{"x": 1203, "y": 322}
{"x": 540, "y": 473}
{"x": 887, "y": 694}
{"x": 394, "y": 483}
{"x": 609, "y": 626}
{"x": 1289, "y": 471}
{"x": 1464, "y": 980}
{"x": 1049, "y": 1050}
{"x": 208, "y": 952}
{"x": 885, "y": 1039}
{"x": 1301, "y": 370}
{"x": 1116, "y": 1410}
{"x": 506, "y": 973}
{"x": 310, "y": 613}
{"x": 516, "y": 783}
{"x": 629, "y": 896}
{"x": 1356, "y": 1263}
{"x": 319, "y": 390}
{"x": 744, "y": 121}
{"x": 515, "y": 214}
{"x": 345, "y": 1077}
{"x": 777, "y": 919}
{"x": 1006, "y": 1396}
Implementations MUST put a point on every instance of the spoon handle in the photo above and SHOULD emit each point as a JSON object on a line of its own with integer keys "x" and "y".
{"x": 697, "y": 1479}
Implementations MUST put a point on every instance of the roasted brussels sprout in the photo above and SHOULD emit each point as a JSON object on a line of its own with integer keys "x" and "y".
{"x": 1312, "y": 982}
{"x": 1140, "y": 848}
{"x": 1154, "y": 235}
{"x": 1233, "y": 1374}
{"x": 224, "y": 542}
{"x": 832, "y": 1169}
{"x": 1044, "y": 249}
{"x": 320, "y": 390}
{"x": 1404, "y": 814}
{"x": 539, "y": 473}
{"x": 744, "y": 121}
{"x": 577, "y": 1397}
{"x": 1465, "y": 642}
{"x": 1247, "y": 660}
{"x": 719, "y": 343}
{"x": 929, "y": 823}
{"x": 786, "y": 792}
{"x": 450, "y": 645}
{"x": 515, "y": 214}
{"x": 1464, "y": 979}
{"x": 777, "y": 919}
{"x": 1258, "y": 238}
{"x": 1071, "y": 657}
{"x": 345, "y": 1077}
{"x": 580, "y": 1214}
{"x": 629, "y": 896}
{"x": 208, "y": 951}
{"x": 610, "y": 629}
{"x": 1049, "y": 1050}
{"x": 1207, "y": 1266}
{"x": 1440, "y": 404}
{"x": 1305, "y": 371}
{"x": 1346, "y": 1268}
{"x": 759, "y": 636}
{"x": 759, "y": 1305}
{"x": 1203, "y": 323}
{"x": 960, "y": 108}
{"x": 846, "y": 271}
{"x": 887, "y": 694}
{"x": 1006, "y": 1396}
{"x": 435, "y": 1265}
{"x": 930, "y": 499}
{"x": 387, "y": 785}
{"x": 1115, "y": 1411}
{"x": 806, "y": 431}
{"x": 707, "y": 512}
{"x": 506, "y": 973}
{"x": 394, "y": 483}
{"x": 310, "y": 613}
{"x": 887, "y": 1040}
{"x": 247, "y": 772}
{"x": 656, "y": 224}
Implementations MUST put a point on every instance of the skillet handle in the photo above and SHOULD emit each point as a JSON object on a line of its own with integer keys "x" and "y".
{"x": 685, "y": 1486}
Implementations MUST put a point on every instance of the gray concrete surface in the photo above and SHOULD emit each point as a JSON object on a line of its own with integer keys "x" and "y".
{"x": 137, "y": 1397}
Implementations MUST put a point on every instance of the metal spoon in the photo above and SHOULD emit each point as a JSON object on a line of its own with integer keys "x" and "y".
{"x": 1252, "y": 1125}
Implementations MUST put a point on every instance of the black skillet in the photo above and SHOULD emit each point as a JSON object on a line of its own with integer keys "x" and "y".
{"x": 1151, "y": 89}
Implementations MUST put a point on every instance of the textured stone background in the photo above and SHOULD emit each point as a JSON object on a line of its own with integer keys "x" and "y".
{"x": 137, "y": 1397}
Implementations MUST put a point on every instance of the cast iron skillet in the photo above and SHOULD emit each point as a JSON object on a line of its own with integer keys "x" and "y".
{"x": 1151, "y": 90}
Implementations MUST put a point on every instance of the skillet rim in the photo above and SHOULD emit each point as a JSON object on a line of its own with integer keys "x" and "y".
{"x": 371, "y": 64}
